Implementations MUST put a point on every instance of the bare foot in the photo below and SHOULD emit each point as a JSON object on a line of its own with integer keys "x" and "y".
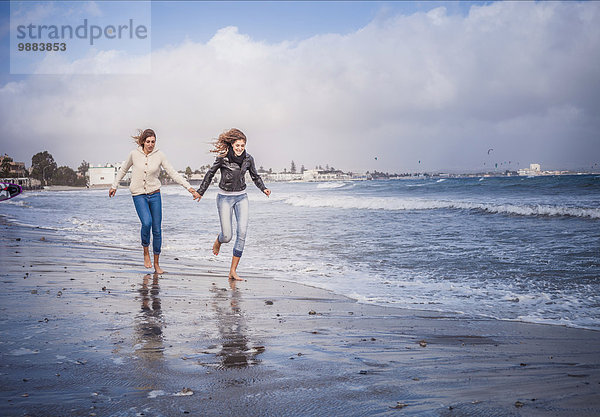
{"x": 235, "y": 260}
{"x": 234, "y": 276}
{"x": 147, "y": 262}
{"x": 157, "y": 268}
{"x": 216, "y": 246}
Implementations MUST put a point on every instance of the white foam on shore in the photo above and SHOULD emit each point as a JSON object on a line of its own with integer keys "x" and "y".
{"x": 331, "y": 185}
{"x": 283, "y": 248}
{"x": 156, "y": 393}
{"x": 404, "y": 204}
{"x": 19, "y": 202}
{"x": 496, "y": 301}
{"x": 24, "y": 351}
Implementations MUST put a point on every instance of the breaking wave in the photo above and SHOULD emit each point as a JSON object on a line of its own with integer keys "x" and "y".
{"x": 330, "y": 185}
{"x": 405, "y": 204}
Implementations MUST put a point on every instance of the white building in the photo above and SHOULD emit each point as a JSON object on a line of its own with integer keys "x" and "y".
{"x": 104, "y": 175}
{"x": 25, "y": 182}
{"x": 196, "y": 177}
{"x": 282, "y": 176}
{"x": 534, "y": 169}
{"x": 321, "y": 175}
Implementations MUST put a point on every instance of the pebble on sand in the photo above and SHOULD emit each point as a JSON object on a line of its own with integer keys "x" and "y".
{"x": 184, "y": 392}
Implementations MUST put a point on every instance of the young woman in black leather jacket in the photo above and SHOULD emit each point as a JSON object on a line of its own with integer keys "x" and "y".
{"x": 233, "y": 161}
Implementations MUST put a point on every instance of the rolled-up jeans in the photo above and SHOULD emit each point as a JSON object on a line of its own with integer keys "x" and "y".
{"x": 149, "y": 210}
{"x": 227, "y": 205}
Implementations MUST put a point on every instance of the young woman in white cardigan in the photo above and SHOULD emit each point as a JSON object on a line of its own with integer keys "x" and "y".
{"x": 146, "y": 162}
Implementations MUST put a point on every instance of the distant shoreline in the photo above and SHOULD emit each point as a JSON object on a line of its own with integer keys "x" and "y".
{"x": 437, "y": 176}
{"x": 63, "y": 188}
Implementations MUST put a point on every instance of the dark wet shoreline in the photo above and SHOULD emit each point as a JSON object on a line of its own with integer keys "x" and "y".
{"x": 86, "y": 331}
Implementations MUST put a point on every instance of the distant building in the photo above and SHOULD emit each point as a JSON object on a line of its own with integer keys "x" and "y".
{"x": 104, "y": 175}
{"x": 282, "y": 176}
{"x": 16, "y": 169}
{"x": 26, "y": 183}
{"x": 325, "y": 175}
{"x": 534, "y": 169}
{"x": 359, "y": 176}
{"x": 196, "y": 177}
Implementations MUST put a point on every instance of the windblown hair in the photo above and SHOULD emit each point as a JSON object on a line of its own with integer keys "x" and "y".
{"x": 226, "y": 140}
{"x": 140, "y": 138}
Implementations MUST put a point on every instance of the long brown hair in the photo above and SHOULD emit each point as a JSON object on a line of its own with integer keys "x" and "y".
{"x": 140, "y": 138}
{"x": 226, "y": 140}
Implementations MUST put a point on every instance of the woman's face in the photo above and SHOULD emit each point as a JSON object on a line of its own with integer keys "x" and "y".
{"x": 149, "y": 144}
{"x": 239, "y": 146}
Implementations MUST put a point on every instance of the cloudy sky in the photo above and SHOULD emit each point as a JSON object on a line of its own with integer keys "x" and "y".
{"x": 391, "y": 86}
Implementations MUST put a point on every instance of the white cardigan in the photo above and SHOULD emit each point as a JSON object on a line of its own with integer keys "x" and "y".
{"x": 146, "y": 168}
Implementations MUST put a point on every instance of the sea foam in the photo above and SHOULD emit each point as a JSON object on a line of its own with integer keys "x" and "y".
{"x": 395, "y": 203}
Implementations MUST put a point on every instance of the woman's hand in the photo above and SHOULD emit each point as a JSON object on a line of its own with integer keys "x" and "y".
{"x": 112, "y": 192}
{"x": 267, "y": 192}
{"x": 194, "y": 193}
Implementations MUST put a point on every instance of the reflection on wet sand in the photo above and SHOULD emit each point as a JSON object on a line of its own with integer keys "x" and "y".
{"x": 149, "y": 323}
{"x": 235, "y": 351}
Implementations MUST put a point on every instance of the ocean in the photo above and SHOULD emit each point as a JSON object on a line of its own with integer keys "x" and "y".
{"x": 511, "y": 248}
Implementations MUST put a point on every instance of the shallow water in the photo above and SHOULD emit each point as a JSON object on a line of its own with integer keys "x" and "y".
{"x": 512, "y": 248}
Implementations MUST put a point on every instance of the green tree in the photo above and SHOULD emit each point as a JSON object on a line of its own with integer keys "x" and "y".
{"x": 65, "y": 175}
{"x": 293, "y": 168}
{"x": 5, "y": 167}
{"x": 302, "y": 169}
{"x": 43, "y": 166}
{"x": 188, "y": 172}
{"x": 82, "y": 171}
{"x": 83, "y": 168}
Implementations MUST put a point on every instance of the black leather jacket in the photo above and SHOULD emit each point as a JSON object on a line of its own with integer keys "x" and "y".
{"x": 232, "y": 175}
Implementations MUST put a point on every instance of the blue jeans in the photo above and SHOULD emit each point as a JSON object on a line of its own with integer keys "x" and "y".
{"x": 149, "y": 210}
{"x": 227, "y": 205}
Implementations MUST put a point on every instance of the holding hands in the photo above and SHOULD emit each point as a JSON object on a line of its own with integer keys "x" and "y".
{"x": 195, "y": 194}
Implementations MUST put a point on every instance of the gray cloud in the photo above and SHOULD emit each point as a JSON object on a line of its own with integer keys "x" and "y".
{"x": 519, "y": 77}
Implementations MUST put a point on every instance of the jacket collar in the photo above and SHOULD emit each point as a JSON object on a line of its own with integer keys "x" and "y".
{"x": 246, "y": 157}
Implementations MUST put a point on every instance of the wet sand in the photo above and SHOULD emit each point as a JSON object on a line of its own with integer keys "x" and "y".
{"x": 87, "y": 331}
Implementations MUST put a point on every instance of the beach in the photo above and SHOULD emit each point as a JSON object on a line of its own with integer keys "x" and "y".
{"x": 86, "y": 330}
